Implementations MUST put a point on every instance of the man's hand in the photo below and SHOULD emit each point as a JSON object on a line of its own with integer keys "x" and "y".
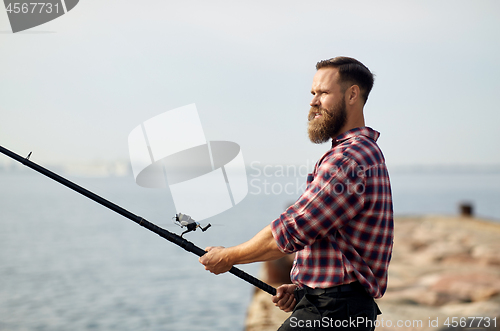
{"x": 285, "y": 298}
{"x": 262, "y": 247}
{"x": 216, "y": 260}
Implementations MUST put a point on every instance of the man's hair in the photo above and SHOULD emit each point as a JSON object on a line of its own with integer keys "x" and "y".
{"x": 350, "y": 71}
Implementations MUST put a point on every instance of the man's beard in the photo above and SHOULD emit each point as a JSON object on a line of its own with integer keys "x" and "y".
{"x": 329, "y": 124}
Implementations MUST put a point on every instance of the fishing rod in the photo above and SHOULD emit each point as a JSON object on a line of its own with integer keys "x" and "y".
{"x": 170, "y": 236}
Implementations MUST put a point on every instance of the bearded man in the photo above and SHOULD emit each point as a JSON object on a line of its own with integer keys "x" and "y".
{"x": 341, "y": 227}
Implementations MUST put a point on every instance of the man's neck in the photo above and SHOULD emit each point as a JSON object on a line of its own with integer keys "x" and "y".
{"x": 353, "y": 124}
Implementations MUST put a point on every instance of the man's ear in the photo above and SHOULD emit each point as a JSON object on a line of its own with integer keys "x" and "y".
{"x": 353, "y": 94}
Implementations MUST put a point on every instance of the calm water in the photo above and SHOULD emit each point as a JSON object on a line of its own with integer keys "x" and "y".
{"x": 66, "y": 263}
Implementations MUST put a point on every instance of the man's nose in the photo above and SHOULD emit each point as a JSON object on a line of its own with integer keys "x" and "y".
{"x": 314, "y": 101}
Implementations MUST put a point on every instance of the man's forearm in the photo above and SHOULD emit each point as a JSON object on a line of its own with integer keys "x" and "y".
{"x": 262, "y": 247}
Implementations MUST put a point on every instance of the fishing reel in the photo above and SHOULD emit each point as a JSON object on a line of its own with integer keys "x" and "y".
{"x": 184, "y": 220}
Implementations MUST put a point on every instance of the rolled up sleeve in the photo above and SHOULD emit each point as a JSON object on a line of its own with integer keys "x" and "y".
{"x": 333, "y": 197}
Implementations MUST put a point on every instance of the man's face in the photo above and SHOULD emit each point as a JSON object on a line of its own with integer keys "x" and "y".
{"x": 328, "y": 114}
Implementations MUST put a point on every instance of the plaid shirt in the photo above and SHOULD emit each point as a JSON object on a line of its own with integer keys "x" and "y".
{"x": 342, "y": 225}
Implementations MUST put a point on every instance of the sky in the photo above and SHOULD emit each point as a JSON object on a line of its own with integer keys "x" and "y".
{"x": 72, "y": 89}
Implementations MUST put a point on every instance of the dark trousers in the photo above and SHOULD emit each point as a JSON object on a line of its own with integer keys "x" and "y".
{"x": 347, "y": 307}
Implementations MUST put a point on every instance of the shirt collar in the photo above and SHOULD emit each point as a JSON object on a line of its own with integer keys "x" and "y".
{"x": 362, "y": 131}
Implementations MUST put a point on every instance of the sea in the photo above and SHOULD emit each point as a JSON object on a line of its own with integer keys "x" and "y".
{"x": 67, "y": 263}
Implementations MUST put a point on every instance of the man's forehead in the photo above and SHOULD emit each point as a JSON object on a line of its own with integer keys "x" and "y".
{"x": 325, "y": 77}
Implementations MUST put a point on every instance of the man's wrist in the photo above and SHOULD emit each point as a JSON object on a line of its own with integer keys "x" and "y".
{"x": 230, "y": 256}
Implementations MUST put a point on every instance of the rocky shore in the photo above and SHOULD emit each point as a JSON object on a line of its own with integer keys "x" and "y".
{"x": 445, "y": 271}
